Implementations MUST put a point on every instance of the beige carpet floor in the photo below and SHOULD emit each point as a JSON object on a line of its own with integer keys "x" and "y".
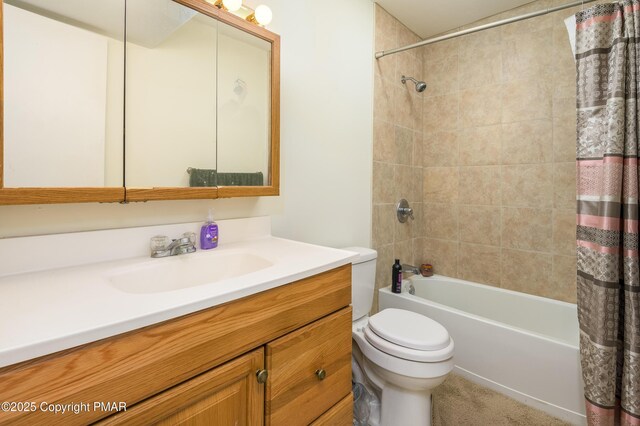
{"x": 459, "y": 402}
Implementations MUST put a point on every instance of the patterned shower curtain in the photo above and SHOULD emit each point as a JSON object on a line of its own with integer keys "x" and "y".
{"x": 607, "y": 55}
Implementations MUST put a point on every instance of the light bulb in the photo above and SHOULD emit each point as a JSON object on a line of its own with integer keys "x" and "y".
{"x": 232, "y": 5}
{"x": 263, "y": 15}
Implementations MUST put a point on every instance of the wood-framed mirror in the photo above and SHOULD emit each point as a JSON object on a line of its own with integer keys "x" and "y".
{"x": 60, "y": 104}
{"x": 100, "y": 161}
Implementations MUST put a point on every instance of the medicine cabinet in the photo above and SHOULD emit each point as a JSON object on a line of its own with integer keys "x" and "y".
{"x": 136, "y": 100}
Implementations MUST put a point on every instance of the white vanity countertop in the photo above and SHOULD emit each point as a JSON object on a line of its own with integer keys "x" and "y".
{"x": 46, "y": 311}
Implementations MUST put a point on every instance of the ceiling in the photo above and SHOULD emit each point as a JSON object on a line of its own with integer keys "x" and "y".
{"x": 150, "y": 21}
{"x": 430, "y": 17}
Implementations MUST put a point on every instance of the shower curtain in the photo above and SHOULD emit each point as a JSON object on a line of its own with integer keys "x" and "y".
{"x": 607, "y": 55}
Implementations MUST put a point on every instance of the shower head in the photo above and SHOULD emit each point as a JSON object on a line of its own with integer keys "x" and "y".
{"x": 420, "y": 85}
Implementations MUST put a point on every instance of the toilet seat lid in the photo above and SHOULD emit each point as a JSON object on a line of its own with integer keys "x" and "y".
{"x": 401, "y": 352}
{"x": 409, "y": 329}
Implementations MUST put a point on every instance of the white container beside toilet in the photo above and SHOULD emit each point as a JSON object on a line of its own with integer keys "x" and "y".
{"x": 403, "y": 355}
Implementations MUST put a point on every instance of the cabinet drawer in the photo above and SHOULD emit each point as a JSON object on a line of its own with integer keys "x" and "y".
{"x": 295, "y": 393}
{"x": 339, "y": 414}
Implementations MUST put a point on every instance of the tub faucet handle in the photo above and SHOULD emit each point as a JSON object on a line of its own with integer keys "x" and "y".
{"x": 403, "y": 211}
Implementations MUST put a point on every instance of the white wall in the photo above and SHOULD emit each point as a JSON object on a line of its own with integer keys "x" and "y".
{"x": 326, "y": 126}
{"x": 56, "y": 90}
{"x": 327, "y": 116}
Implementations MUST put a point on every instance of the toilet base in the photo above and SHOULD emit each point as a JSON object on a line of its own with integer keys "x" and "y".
{"x": 403, "y": 400}
{"x": 400, "y": 407}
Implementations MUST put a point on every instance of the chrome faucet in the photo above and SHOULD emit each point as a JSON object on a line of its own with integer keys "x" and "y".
{"x": 185, "y": 244}
{"x": 410, "y": 268}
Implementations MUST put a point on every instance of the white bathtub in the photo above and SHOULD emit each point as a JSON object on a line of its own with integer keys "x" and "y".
{"x": 521, "y": 345}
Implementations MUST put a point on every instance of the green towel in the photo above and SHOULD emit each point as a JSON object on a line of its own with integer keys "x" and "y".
{"x": 240, "y": 179}
{"x": 202, "y": 177}
{"x": 211, "y": 178}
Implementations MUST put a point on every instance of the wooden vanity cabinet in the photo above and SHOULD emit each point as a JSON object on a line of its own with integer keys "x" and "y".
{"x": 226, "y": 395}
{"x": 201, "y": 368}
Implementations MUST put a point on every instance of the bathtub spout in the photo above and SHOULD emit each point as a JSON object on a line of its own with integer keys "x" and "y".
{"x": 411, "y": 269}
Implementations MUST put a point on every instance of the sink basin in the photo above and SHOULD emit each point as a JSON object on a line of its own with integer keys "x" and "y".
{"x": 180, "y": 272}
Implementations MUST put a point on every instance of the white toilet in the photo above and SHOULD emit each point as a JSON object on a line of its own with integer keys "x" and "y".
{"x": 403, "y": 355}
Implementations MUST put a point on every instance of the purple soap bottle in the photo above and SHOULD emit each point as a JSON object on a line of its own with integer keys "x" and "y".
{"x": 209, "y": 233}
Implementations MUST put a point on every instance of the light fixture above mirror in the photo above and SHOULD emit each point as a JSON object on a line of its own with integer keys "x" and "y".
{"x": 232, "y": 5}
{"x": 261, "y": 16}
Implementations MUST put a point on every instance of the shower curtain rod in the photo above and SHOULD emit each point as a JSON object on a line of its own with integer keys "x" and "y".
{"x": 481, "y": 28}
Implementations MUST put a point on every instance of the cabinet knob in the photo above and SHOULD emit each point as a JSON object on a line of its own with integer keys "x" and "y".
{"x": 321, "y": 374}
{"x": 262, "y": 375}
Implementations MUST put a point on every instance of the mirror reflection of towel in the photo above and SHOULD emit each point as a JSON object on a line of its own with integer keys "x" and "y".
{"x": 210, "y": 177}
{"x": 202, "y": 177}
{"x": 240, "y": 179}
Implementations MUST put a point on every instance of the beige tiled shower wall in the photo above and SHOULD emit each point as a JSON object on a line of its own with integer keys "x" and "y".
{"x": 397, "y": 149}
{"x": 496, "y": 203}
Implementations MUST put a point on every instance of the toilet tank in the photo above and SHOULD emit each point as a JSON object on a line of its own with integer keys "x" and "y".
{"x": 363, "y": 281}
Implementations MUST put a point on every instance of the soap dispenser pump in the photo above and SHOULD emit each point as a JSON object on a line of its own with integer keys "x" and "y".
{"x": 209, "y": 233}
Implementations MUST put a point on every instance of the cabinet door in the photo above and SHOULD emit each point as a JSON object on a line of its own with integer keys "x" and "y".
{"x": 226, "y": 395}
{"x": 309, "y": 370}
{"x": 339, "y": 414}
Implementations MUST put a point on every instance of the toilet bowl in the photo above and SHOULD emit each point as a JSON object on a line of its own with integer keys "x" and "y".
{"x": 403, "y": 355}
